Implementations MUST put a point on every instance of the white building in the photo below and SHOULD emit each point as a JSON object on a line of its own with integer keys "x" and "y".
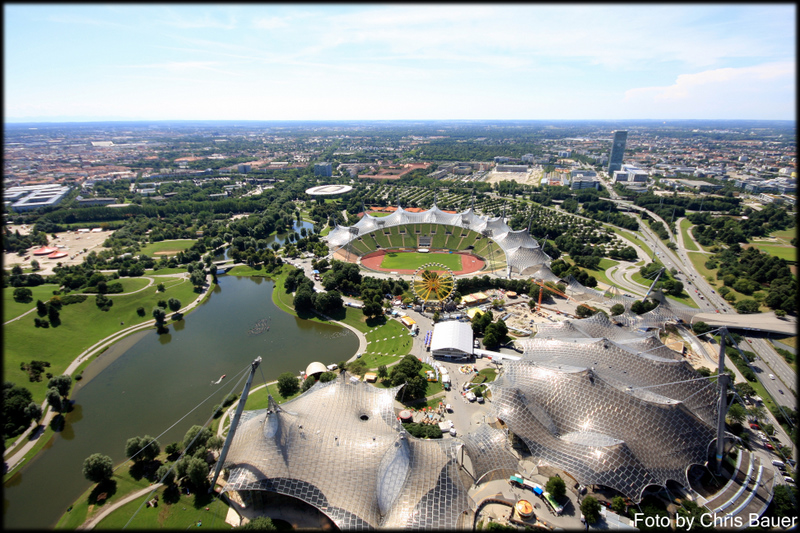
{"x": 452, "y": 340}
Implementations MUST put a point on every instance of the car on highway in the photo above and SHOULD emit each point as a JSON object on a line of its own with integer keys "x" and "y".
{"x": 768, "y": 446}
{"x": 772, "y": 376}
{"x": 780, "y": 390}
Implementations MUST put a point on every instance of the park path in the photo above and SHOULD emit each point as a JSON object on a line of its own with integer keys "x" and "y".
{"x": 92, "y": 522}
{"x": 33, "y": 433}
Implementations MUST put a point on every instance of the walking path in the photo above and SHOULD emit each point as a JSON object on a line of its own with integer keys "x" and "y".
{"x": 92, "y": 522}
{"x": 38, "y": 430}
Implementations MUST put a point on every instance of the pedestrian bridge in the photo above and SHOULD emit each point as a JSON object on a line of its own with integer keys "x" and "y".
{"x": 754, "y": 322}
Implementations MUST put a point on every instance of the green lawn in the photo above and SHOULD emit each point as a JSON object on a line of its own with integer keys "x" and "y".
{"x": 12, "y": 309}
{"x": 413, "y": 260}
{"x": 699, "y": 262}
{"x": 381, "y": 339}
{"x": 600, "y": 273}
{"x": 631, "y": 237}
{"x": 789, "y": 253}
{"x": 373, "y": 361}
{"x": 188, "y": 511}
{"x": 167, "y": 247}
{"x": 82, "y": 325}
{"x": 786, "y": 235}
{"x": 121, "y": 485}
{"x": 688, "y": 241}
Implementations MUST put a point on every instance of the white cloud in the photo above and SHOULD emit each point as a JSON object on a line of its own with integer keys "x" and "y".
{"x": 768, "y": 86}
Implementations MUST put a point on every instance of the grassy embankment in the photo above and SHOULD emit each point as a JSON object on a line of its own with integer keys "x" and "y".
{"x": 688, "y": 241}
{"x": 600, "y": 273}
{"x": 186, "y": 512}
{"x": 82, "y": 325}
{"x": 683, "y": 298}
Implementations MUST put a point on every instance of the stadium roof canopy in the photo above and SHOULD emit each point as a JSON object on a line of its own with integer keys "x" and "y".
{"x": 340, "y": 448}
{"x": 523, "y": 253}
{"x": 612, "y": 407}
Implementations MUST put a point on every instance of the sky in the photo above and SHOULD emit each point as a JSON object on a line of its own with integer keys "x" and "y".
{"x": 95, "y": 62}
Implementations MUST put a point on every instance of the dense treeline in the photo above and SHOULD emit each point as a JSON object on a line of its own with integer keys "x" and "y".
{"x": 752, "y": 272}
{"x": 713, "y": 229}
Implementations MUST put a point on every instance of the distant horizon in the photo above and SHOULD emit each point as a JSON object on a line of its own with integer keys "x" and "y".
{"x": 142, "y": 62}
{"x": 20, "y": 121}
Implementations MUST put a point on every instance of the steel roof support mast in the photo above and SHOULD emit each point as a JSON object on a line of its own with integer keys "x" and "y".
{"x": 723, "y": 398}
{"x": 234, "y": 423}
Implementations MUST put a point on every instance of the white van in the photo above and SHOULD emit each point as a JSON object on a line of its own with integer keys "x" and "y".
{"x": 772, "y": 376}
{"x": 777, "y": 463}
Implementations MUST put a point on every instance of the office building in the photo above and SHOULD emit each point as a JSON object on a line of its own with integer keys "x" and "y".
{"x": 323, "y": 169}
{"x": 617, "y": 151}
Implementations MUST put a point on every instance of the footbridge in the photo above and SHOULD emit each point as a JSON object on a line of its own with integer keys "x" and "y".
{"x": 753, "y": 322}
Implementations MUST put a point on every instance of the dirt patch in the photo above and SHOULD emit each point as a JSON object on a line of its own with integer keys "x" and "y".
{"x": 71, "y": 242}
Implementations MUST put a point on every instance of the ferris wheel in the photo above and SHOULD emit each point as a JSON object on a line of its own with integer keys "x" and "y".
{"x": 433, "y": 282}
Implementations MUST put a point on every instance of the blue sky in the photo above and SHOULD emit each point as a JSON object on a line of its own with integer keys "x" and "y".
{"x": 383, "y": 62}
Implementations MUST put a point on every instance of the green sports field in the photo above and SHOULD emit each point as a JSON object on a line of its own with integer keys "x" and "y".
{"x": 414, "y": 260}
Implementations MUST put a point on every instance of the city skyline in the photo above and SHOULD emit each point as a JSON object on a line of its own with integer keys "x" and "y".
{"x": 374, "y": 62}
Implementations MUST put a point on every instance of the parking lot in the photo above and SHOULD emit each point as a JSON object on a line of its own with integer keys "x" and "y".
{"x": 76, "y": 244}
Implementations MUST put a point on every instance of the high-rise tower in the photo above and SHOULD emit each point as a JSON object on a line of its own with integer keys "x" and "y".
{"x": 617, "y": 150}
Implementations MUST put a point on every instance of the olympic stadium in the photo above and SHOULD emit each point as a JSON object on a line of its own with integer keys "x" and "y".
{"x": 605, "y": 402}
{"x": 434, "y": 228}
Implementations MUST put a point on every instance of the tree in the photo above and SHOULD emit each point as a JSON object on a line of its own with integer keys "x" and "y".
{"x": 617, "y": 309}
{"x": 618, "y": 505}
{"x": 590, "y": 508}
{"x": 737, "y": 413}
{"x": 745, "y": 390}
{"x": 35, "y": 265}
{"x": 583, "y": 311}
{"x": 556, "y": 487}
{"x": 261, "y": 522}
{"x": 215, "y": 442}
{"x": 159, "y": 314}
{"x": 61, "y": 383}
{"x": 190, "y": 443}
{"x": 327, "y": 376}
{"x": 287, "y": 384}
{"x": 197, "y": 472}
{"x": 140, "y": 311}
{"x": 98, "y": 468}
{"x": 174, "y": 304}
{"x": 165, "y": 474}
{"x": 23, "y": 295}
{"x": 33, "y": 411}
{"x": 142, "y": 449}
{"x": 160, "y": 287}
{"x": 54, "y": 400}
{"x": 782, "y": 501}
{"x": 383, "y": 372}
{"x": 746, "y": 307}
{"x": 701, "y": 327}
{"x": 372, "y": 309}
{"x": 303, "y": 299}
{"x": 41, "y": 308}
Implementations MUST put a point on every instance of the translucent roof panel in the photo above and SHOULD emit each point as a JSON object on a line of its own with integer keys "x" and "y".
{"x": 600, "y": 434}
{"x": 340, "y": 448}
